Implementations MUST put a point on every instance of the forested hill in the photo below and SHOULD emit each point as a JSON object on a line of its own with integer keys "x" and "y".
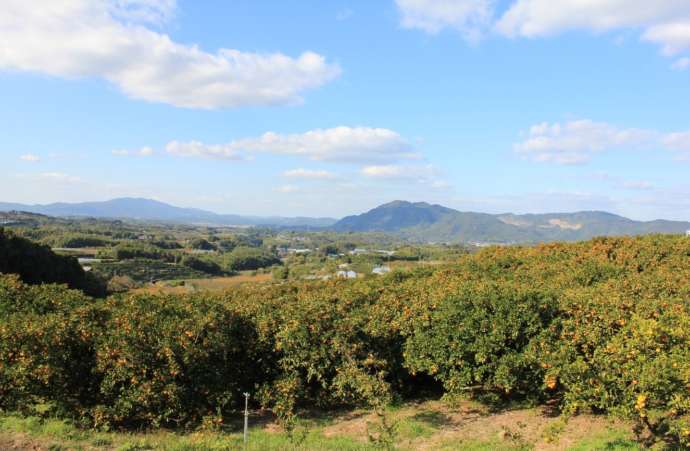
{"x": 37, "y": 264}
{"x": 428, "y": 222}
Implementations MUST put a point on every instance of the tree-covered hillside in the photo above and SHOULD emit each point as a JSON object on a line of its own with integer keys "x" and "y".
{"x": 37, "y": 264}
{"x": 426, "y": 222}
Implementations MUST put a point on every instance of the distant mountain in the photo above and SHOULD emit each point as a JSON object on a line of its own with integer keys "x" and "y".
{"x": 152, "y": 210}
{"x": 428, "y": 222}
{"x": 393, "y": 217}
{"x": 417, "y": 221}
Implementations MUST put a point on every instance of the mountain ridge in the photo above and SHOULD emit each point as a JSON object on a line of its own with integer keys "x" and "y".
{"x": 413, "y": 221}
{"x": 153, "y": 210}
{"x": 420, "y": 221}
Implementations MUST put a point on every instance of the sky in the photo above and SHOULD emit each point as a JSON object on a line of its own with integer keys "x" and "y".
{"x": 330, "y": 108}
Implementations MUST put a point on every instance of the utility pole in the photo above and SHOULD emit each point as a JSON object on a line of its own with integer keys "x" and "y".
{"x": 246, "y": 417}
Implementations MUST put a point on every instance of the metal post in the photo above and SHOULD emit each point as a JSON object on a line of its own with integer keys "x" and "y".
{"x": 246, "y": 417}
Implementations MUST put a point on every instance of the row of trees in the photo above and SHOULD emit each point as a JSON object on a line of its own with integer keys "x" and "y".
{"x": 599, "y": 326}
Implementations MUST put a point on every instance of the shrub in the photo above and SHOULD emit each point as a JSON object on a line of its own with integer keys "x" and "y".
{"x": 172, "y": 360}
{"x": 244, "y": 258}
{"x": 46, "y": 346}
{"x": 476, "y": 339}
{"x": 207, "y": 266}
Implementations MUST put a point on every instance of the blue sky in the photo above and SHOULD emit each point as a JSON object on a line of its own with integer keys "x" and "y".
{"x": 331, "y": 108}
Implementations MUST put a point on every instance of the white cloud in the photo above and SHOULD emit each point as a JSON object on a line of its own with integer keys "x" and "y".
{"x": 681, "y": 64}
{"x": 287, "y": 189}
{"x": 344, "y": 14}
{"x": 545, "y": 17}
{"x": 620, "y": 182}
{"x": 393, "y": 171}
{"x": 110, "y": 39}
{"x": 199, "y": 149}
{"x": 638, "y": 185}
{"x": 673, "y": 37}
{"x": 426, "y": 174}
{"x": 679, "y": 143}
{"x": 309, "y": 174}
{"x": 440, "y": 185}
{"x": 340, "y": 144}
{"x": 470, "y": 17}
{"x": 30, "y": 157}
{"x": 59, "y": 177}
{"x": 664, "y": 22}
{"x": 575, "y": 142}
{"x": 143, "y": 152}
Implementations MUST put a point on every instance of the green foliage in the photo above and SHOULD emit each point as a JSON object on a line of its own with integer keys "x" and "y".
{"x": 78, "y": 240}
{"x": 144, "y": 271}
{"x": 245, "y": 258}
{"x": 281, "y": 273}
{"x": 38, "y": 264}
{"x": 599, "y": 326}
{"x": 203, "y": 265}
{"x": 172, "y": 361}
{"x": 201, "y": 244}
{"x": 46, "y": 346}
{"x": 476, "y": 338}
{"x": 129, "y": 251}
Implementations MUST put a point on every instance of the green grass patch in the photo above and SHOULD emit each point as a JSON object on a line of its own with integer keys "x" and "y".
{"x": 612, "y": 440}
{"x": 482, "y": 445}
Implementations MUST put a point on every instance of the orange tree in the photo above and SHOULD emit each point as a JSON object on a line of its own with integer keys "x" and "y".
{"x": 47, "y": 346}
{"x": 476, "y": 337}
{"x": 173, "y": 360}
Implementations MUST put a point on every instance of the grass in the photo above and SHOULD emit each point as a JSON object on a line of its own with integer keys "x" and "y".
{"x": 611, "y": 440}
{"x": 481, "y": 445}
{"x": 431, "y": 425}
{"x": 59, "y": 434}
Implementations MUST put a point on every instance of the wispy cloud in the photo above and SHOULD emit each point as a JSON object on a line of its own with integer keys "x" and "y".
{"x": 426, "y": 174}
{"x": 58, "y": 177}
{"x": 576, "y": 142}
{"x": 142, "y": 152}
{"x": 344, "y": 14}
{"x": 394, "y": 171}
{"x": 30, "y": 157}
{"x": 309, "y": 174}
{"x": 287, "y": 189}
{"x": 622, "y": 182}
{"x": 469, "y": 17}
{"x": 339, "y": 144}
{"x": 681, "y": 64}
{"x": 199, "y": 149}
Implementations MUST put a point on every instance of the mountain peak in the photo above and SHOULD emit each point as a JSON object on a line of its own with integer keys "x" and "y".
{"x": 428, "y": 222}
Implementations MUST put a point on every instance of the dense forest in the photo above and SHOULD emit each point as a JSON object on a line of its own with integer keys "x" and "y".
{"x": 600, "y": 326}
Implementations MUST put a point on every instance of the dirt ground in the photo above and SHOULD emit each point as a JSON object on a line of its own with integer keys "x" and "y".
{"x": 471, "y": 422}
